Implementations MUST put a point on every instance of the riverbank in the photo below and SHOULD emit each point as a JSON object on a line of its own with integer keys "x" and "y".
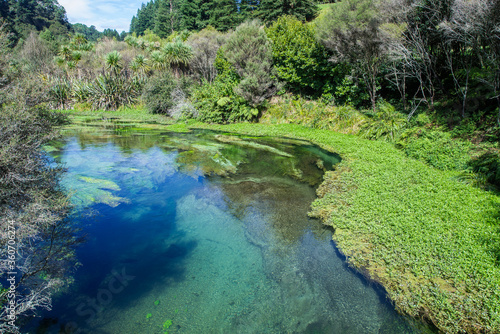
{"x": 430, "y": 240}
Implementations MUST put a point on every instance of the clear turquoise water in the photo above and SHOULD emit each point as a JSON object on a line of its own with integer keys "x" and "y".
{"x": 194, "y": 233}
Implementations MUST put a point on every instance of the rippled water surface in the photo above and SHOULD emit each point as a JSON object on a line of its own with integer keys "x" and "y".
{"x": 205, "y": 233}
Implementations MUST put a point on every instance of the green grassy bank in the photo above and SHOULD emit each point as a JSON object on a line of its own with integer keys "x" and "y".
{"x": 430, "y": 240}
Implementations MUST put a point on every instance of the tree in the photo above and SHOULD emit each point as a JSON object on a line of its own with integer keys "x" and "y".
{"x": 90, "y": 33}
{"x": 140, "y": 66}
{"x": 111, "y": 33}
{"x": 249, "y": 51}
{"x": 270, "y": 10}
{"x": 177, "y": 54}
{"x": 353, "y": 30}
{"x": 37, "y": 237}
{"x": 205, "y": 45}
{"x": 224, "y": 14}
{"x": 189, "y": 14}
{"x": 298, "y": 58}
{"x": 145, "y": 18}
{"x": 37, "y": 15}
{"x": 167, "y": 18}
{"x": 462, "y": 37}
{"x": 113, "y": 62}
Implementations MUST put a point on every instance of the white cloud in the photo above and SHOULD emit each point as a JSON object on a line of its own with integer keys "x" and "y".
{"x": 114, "y": 14}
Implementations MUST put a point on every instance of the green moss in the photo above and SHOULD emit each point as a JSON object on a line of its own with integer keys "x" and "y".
{"x": 148, "y": 316}
{"x": 157, "y": 302}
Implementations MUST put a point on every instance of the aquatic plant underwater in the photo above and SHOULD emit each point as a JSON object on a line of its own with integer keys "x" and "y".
{"x": 214, "y": 230}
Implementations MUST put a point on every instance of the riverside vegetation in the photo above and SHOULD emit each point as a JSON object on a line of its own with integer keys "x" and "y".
{"x": 407, "y": 92}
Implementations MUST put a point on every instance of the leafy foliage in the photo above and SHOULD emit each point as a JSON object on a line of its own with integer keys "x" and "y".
{"x": 109, "y": 92}
{"x": 436, "y": 148}
{"x": 217, "y": 102}
{"x": 314, "y": 114}
{"x": 386, "y": 124}
{"x": 486, "y": 165}
{"x": 205, "y": 45}
{"x": 249, "y": 51}
{"x": 157, "y": 94}
{"x": 60, "y": 92}
{"x": 177, "y": 55}
{"x": 298, "y": 58}
{"x": 353, "y": 30}
{"x": 271, "y": 10}
{"x": 23, "y": 17}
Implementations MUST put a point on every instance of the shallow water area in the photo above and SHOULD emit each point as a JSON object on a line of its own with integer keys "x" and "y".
{"x": 205, "y": 232}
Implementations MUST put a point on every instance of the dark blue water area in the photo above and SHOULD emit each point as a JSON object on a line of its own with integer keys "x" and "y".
{"x": 171, "y": 250}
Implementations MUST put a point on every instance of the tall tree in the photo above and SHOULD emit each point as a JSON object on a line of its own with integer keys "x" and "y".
{"x": 224, "y": 14}
{"x": 270, "y": 10}
{"x": 90, "y": 33}
{"x": 354, "y": 31}
{"x": 145, "y": 18}
{"x": 299, "y": 59}
{"x": 249, "y": 51}
{"x": 111, "y": 33}
{"x": 166, "y": 18}
{"x": 193, "y": 14}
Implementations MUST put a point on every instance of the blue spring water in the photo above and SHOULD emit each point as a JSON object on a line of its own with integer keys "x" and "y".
{"x": 172, "y": 248}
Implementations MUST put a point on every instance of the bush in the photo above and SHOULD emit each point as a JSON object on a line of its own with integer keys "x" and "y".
{"x": 205, "y": 45}
{"x": 218, "y": 102}
{"x": 249, "y": 51}
{"x": 386, "y": 124}
{"x": 299, "y": 59}
{"x": 436, "y": 148}
{"x": 486, "y": 167}
{"x": 109, "y": 92}
{"x": 60, "y": 92}
{"x": 157, "y": 94}
{"x": 32, "y": 203}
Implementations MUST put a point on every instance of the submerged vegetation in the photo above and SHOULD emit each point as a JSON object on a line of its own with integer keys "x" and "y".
{"x": 431, "y": 240}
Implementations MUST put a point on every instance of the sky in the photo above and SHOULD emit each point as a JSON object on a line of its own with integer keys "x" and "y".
{"x": 114, "y": 14}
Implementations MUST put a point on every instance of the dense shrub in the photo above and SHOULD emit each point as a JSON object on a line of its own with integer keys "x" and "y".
{"x": 205, "y": 45}
{"x": 60, "y": 92}
{"x": 299, "y": 59}
{"x": 109, "y": 92}
{"x": 249, "y": 51}
{"x": 218, "y": 102}
{"x": 486, "y": 167}
{"x": 157, "y": 93}
{"x": 386, "y": 124}
{"x": 437, "y": 148}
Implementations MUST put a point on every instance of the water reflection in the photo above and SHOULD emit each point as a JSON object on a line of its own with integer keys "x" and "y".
{"x": 212, "y": 232}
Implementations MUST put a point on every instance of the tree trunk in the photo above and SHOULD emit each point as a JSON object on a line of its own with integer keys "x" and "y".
{"x": 171, "y": 15}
